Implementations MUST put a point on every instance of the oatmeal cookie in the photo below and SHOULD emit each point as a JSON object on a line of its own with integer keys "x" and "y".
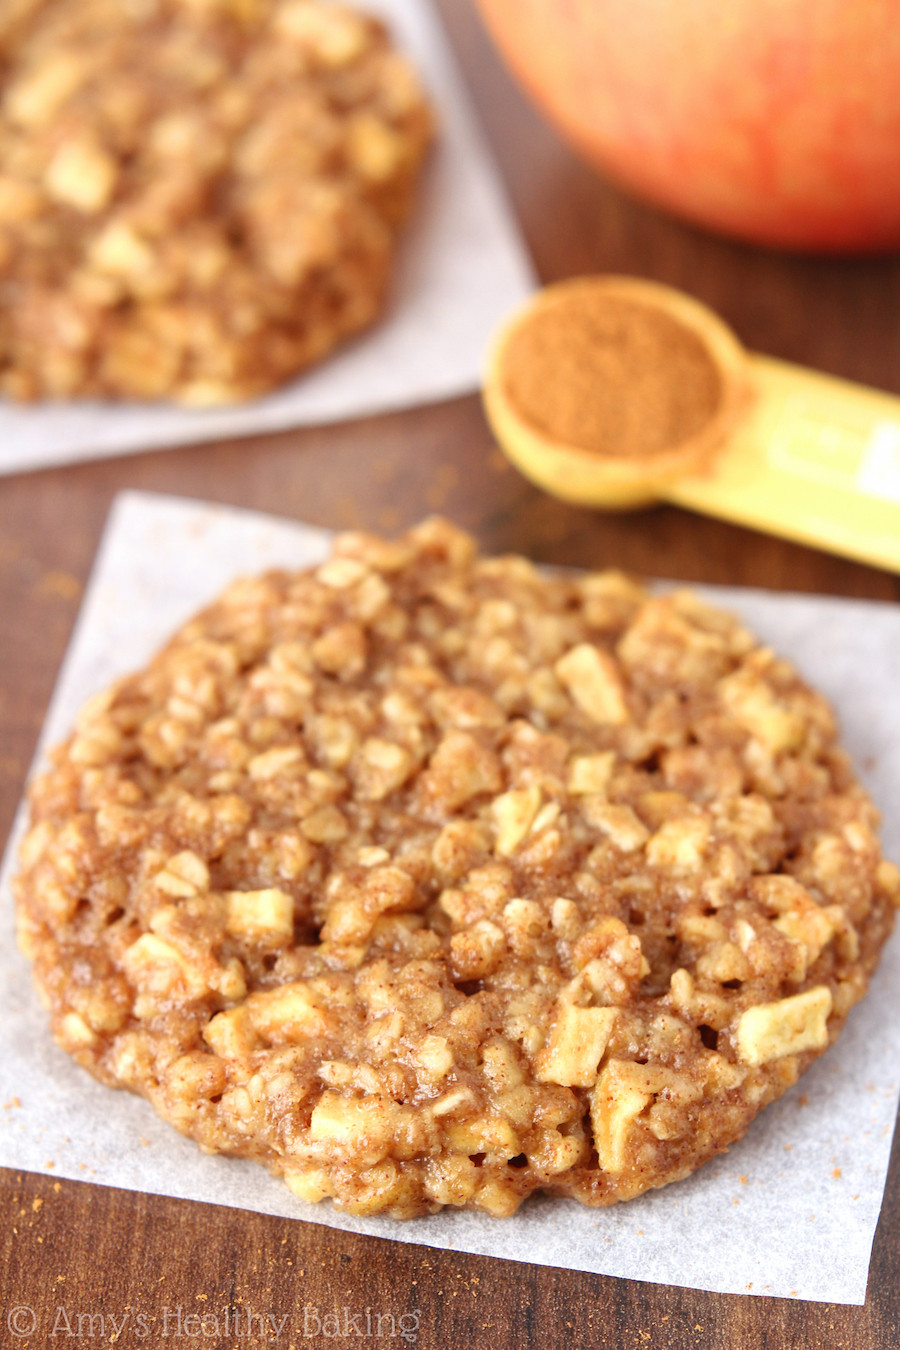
{"x": 427, "y": 879}
{"x": 198, "y": 198}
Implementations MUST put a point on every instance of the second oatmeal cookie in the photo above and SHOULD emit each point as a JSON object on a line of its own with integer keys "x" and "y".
{"x": 198, "y": 198}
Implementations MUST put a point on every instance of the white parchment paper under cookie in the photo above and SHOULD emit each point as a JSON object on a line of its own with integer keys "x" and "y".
{"x": 790, "y": 1211}
{"x": 461, "y": 267}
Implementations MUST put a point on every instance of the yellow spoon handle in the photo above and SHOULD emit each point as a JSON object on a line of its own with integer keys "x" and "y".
{"x": 816, "y": 459}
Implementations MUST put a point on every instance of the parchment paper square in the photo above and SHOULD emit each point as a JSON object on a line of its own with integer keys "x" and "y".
{"x": 791, "y": 1210}
{"x": 462, "y": 266}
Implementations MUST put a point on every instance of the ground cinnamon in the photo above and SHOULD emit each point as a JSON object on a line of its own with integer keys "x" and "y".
{"x": 611, "y": 375}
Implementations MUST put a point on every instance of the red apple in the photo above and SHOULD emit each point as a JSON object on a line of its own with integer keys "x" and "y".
{"x": 774, "y": 120}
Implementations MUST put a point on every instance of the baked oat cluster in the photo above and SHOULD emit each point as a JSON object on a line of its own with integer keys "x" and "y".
{"x": 198, "y": 198}
{"x": 427, "y": 879}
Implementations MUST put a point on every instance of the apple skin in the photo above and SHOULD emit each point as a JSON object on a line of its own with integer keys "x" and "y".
{"x": 776, "y": 121}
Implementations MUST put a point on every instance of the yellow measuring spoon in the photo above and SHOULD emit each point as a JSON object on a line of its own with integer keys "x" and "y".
{"x": 760, "y": 442}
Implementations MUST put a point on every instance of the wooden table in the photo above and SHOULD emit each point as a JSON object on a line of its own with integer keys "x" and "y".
{"x": 92, "y": 1250}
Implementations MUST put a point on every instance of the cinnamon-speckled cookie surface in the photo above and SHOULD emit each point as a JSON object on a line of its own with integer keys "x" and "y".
{"x": 426, "y": 879}
{"x": 198, "y": 198}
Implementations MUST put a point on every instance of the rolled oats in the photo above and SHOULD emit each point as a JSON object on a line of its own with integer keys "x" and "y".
{"x": 196, "y": 200}
{"x": 337, "y": 891}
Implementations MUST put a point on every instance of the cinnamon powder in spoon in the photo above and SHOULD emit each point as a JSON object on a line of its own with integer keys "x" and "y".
{"x": 610, "y": 375}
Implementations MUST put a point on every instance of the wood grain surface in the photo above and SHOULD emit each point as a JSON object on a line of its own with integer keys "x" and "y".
{"x": 92, "y": 1250}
